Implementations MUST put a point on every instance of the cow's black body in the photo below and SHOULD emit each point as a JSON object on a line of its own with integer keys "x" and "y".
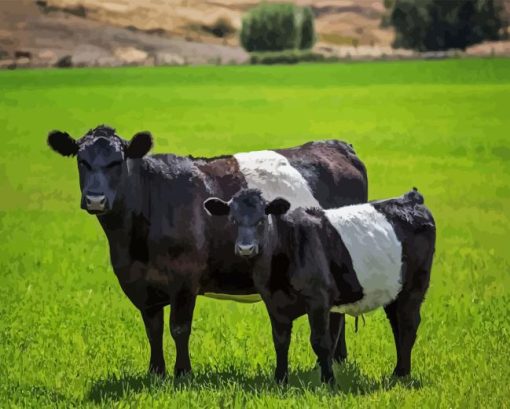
{"x": 165, "y": 250}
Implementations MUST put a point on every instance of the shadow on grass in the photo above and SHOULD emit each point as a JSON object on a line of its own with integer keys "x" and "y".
{"x": 37, "y": 394}
{"x": 349, "y": 379}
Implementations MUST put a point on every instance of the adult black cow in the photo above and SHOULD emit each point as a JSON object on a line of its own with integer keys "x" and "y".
{"x": 353, "y": 258}
{"x": 164, "y": 250}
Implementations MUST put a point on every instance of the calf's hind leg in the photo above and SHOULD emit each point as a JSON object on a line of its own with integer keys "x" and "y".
{"x": 404, "y": 316}
{"x": 408, "y": 316}
{"x": 337, "y": 331}
{"x": 320, "y": 338}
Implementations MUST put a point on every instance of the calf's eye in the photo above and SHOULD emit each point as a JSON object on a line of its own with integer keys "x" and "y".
{"x": 113, "y": 164}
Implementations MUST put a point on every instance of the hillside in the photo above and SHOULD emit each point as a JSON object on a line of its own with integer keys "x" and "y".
{"x": 338, "y": 21}
{"x": 176, "y": 32}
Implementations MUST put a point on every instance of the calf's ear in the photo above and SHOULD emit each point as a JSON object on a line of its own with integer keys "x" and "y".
{"x": 278, "y": 206}
{"x": 216, "y": 207}
{"x": 62, "y": 143}
{"x": 139, "y": 145}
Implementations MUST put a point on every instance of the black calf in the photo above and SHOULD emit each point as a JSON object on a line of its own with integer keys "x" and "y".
{"x": 351, "y": 260}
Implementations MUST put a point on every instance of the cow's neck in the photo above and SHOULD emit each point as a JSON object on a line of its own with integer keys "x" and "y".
{"x": 147, "y": 194}
{"x": 131, "y": 201}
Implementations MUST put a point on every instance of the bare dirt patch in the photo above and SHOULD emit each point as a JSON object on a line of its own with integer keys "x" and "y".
{"x": 45, "y": 36}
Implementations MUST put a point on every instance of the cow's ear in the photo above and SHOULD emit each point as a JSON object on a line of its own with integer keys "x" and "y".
{"x": 216, "y": 207}
{"x": 139, "y": 145}
{"x": 278, "y": 206}
{"x": 62, "y": 143}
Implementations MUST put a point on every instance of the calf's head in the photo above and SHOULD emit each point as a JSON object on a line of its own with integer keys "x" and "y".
{"x": 102, "y": 162}
{"x": 249, "y": 211}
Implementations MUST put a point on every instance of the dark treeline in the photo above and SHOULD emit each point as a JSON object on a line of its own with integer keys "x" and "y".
{"x": 431, "y": 25}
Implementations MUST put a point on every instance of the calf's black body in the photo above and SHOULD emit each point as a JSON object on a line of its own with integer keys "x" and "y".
{"x": 303, "y": 266}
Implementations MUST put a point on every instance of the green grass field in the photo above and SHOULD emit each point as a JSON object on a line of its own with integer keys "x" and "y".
{"x": 69, "y": 337}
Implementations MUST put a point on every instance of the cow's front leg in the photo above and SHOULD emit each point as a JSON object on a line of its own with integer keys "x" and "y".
{"x": 181, "y": 316}
{"x": 320, "y": 339}
{"x": 153, "y": 320}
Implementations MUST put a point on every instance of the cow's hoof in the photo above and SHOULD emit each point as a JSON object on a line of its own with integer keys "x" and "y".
{"x": 181, "y": 372}
{"x": 328, "y": 379}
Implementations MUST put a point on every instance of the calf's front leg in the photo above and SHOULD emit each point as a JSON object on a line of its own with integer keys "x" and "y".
{"x": 153, "y": 320}
{"x": 282, "y": 330}
{"x": 181, "y": 316}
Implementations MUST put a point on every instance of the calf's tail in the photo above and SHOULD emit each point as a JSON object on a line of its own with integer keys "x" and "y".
{"x": 414, "y": 196}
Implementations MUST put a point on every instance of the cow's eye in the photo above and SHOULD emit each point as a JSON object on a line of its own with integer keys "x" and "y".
{"x": 260, "y": 222}
{"x": 85, "y": 164}
{"x": 113, "y": 164}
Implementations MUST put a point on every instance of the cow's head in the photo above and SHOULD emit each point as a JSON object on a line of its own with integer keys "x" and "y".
{"x": 102, "y": 157}
{"x": 249, "y": 212}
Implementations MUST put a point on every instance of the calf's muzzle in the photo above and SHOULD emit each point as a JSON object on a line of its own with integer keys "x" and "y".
{"x": 246, "y": 250}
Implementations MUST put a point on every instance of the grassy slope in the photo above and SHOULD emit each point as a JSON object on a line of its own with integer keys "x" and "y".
{"x": 69, "y": 335}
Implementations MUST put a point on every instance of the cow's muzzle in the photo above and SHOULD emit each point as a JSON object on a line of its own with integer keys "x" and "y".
{"x": 247, "y": 250}
{"x": 96, "y": 204}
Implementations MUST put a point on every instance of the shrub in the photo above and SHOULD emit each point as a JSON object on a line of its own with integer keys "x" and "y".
{"x": 277, "y": 27}
{"x": 285, "y": 57}
{"x": 434, "y": 25}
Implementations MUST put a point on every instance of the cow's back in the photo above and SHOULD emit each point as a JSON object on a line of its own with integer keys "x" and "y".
{"x": 325, "y": 174}
{"x": 333, "y": 171}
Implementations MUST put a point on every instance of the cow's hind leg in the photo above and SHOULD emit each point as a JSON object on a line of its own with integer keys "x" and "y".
{"x": 337, "y": 331}
{"x": 153, "y": 320}
{"x": 181, "y": 316}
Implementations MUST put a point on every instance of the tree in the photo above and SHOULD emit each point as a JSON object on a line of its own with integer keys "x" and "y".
{"x": 277, "y": 27}
{"x": 439, "y": 25}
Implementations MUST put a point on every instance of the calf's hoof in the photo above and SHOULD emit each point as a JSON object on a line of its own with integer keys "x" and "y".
{"x": 339, "y": 359}
{"x": 157, "y": 370}
{"x": 401, "y": 372}
{"x": 281, "y": 378}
